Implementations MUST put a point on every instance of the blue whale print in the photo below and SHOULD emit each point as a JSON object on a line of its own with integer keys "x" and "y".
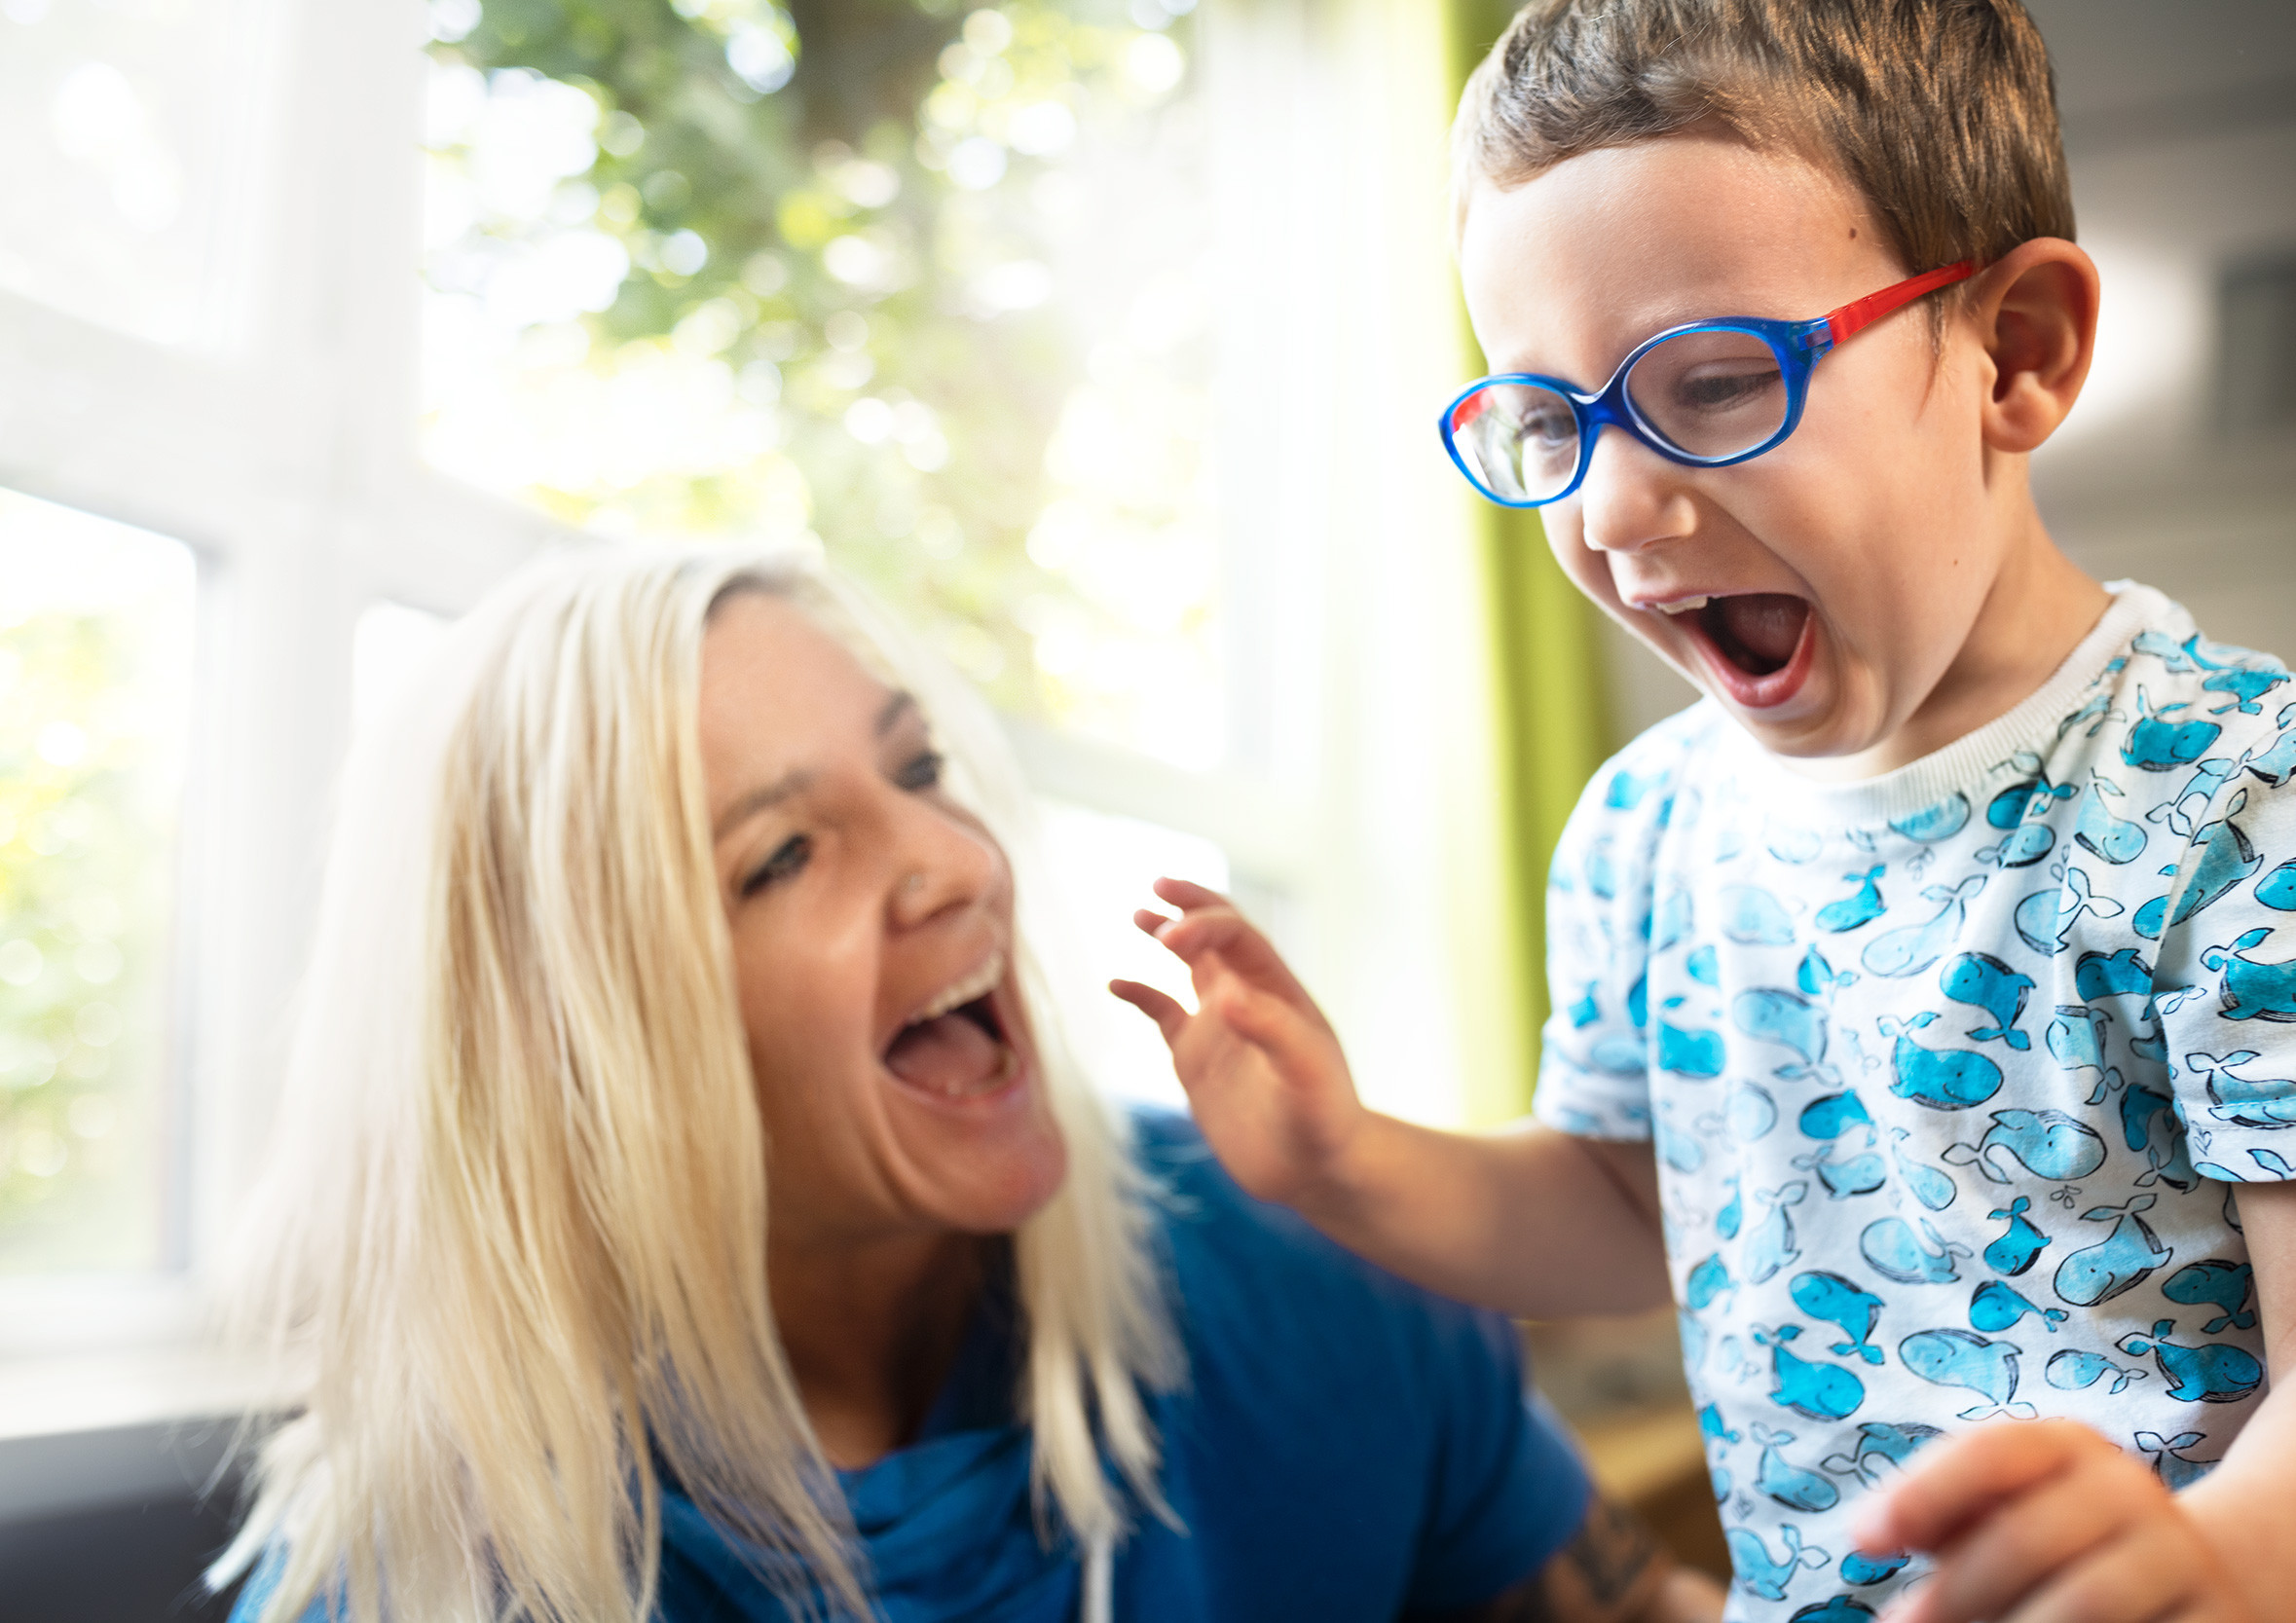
{"x": 1891, "y": 1246}
{"x": 1916, "y": 946}
{"x": 1815, "y": 1391}
{"x": 1956, "y": 1357}
{"x": 2157, "y": 745}
{"x": 2217, "y": 1372}
{"x": 2227, "y": 857}
{"x": 1943, "y": 1079}
{"x": 1993, "y": 1306}
{"x": 2076, "y": 1037}
{"x": 2180, "y": 809}
{"x": 2245, "y": 1101}
{"x": 1941, "y": 822}
{"x": 1786, "y": 1018}
{"x": 1704, "y": 966}
{"x": 1880, "y": 1443}
{"x": 1711, "y": 1425}
{"x": 2151, "y": 1126}
{"x": 1690, "y": 1054}
{"x": 1860, "y": 908}
{"x": 1753, "y": 917}
{"x": 2276, "y": 764}
{"x": 2023, "y": 847}
{"x": 2021, "y": 802}
{"x": 2121, "y": 973}
{"x": 2045, "y": 919}
{"x": 2017, "y": 1247}
{"x": 1983, "y": 982}
{"x": 1673, "y": 921}
{"x": 2276, "y": 890}
{"x": 1834, "y": 1299}
{"x": 2214, "y": 1283}
{"x": 1930, "y": 1187}
{"x": 1819, "y": 978}
{"x": 1760, "y": 1573}
{"x": 1861, "y": 1174}
{"x": 2073, "y": 1371}
{"x": 1771, "y": 1245}
{"x": 2048, "y": 1143}
{"x": 2098, "y": 832}
{"x": 1860, "y": 1568}
{"x": 1789, "y": 1485}
{"x": 1680, "y": 1150}
{"x": 1835, "y": 1114}
{"x": 1748, "y": 1113}
{"x": 2118, "y": 1262}
{"x": 1840, "y": 1608}
{"x": 1790, "y": 844}
{"x": 2252, "y": 990}
{"x": 2170, "y": 1465}
{"x": 1708, "y": 1281}
{"x": 1626, "y": 790}
{"x": 1733, "y": 1212}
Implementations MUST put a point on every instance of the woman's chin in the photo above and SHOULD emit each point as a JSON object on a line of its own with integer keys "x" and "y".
{"x": 992, "y": 1157}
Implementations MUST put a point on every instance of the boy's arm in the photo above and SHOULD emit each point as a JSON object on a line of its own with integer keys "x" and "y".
{"x": 2045, "y": 1521}
{"x": 1533, "y": 1222}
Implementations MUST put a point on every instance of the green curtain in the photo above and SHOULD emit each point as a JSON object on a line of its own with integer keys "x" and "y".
{"x": 1553, "y": 720}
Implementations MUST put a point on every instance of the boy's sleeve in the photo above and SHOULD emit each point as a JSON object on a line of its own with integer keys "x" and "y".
{"x": 1594, "y": 1075}
{"x": 2225, "y": 986}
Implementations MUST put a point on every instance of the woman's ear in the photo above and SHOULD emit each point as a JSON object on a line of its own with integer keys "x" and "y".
{"x": 2035, "y": 311}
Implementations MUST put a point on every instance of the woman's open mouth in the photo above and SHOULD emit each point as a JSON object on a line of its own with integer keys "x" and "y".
{"x": 1758, "y": 644}
{"x": 956, "y": 1048}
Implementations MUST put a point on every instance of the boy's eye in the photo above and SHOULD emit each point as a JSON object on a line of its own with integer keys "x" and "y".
{"x": 788, "y": 860}
{"x": 1719, "y": 390}
{"x": 922, "y": 772}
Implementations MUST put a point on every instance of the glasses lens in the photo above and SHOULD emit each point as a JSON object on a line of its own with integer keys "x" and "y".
{"x": 1520, "y": 442}
{"x": 1709, "y": 393}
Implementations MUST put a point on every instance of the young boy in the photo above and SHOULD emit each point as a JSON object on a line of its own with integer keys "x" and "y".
{"x": 1915, "y": 993}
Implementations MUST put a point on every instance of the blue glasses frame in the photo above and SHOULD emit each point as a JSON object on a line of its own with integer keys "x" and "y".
{"x": 1797, "y": 346}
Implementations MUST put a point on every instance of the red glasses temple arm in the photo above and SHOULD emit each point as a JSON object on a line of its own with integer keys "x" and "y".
{"x": 1859, "y": 312}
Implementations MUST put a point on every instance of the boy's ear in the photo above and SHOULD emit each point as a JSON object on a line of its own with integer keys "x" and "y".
{"x": 2035, "y": 311}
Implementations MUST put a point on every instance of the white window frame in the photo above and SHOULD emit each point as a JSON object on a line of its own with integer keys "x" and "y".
{"x": 284, "y": 454}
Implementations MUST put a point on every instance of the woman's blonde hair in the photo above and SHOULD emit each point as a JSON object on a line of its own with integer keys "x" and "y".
{"x": 512, "y": 1242}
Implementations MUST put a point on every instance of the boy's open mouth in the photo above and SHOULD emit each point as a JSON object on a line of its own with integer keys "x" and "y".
{"x": 1757, "y": 632}
{"x": 960, "y": 1051}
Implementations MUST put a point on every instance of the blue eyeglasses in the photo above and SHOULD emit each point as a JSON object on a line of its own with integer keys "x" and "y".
{"x": 1707, "y": 394}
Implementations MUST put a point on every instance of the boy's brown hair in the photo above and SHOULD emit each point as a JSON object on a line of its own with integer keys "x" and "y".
{"x": 1942, "y": 113}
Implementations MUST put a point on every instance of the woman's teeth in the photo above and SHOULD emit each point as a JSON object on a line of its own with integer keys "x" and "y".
{"x": 979, "y": 984}
{"x": 1680, "y": 605}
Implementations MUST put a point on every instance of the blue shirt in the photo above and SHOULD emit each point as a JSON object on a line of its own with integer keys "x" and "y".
{"x": 1348, "y": 1448}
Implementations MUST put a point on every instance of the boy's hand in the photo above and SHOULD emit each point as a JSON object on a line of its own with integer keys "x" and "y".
{"x": 2046, "y": 1521}
{"x": 1263, "y": 1069}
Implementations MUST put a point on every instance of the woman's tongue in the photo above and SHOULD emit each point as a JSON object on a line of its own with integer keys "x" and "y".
{"x": 949, "y": 1055}
{"x": 1757, "y": 632}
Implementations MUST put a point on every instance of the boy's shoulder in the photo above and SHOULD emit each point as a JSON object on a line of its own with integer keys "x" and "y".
{"x": 2182, "y": 700}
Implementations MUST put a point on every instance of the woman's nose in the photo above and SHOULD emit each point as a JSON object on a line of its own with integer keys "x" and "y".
{"x": 942, "y": 863}
{"x": 1632, "y": 498}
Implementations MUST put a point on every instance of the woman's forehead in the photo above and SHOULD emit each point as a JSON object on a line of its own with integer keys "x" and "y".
{"x": 780, "y": 693}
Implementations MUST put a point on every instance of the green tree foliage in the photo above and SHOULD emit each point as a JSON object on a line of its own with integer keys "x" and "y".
{"x": 857, "y": 206}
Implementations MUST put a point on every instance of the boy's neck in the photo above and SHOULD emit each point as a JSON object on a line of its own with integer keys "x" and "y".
{"x": 2040, "y": 606}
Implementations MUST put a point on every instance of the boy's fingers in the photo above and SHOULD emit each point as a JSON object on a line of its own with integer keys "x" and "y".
{"x": 2143, "y": 1577}
{"x": 1168, "y": 1013}
{"x": 1275, "y": 1028}
{"x": 1221, "y": 929}
{"x": 1951, "y": 1483}
{"x": 2015, "y": 1552}
{"x": 1149, "y": 921}
{"x": 1187, "y": 892}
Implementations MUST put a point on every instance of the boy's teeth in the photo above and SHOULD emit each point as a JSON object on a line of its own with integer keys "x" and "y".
{"x": 978, "y": 984}
{"x": 1680, "y": 605}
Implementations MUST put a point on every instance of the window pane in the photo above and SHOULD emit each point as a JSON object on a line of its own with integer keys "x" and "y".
{"x": 120, "y": 122}
{"x": 96, "y": 678}
{"x": 931, "y": 286}
{"x": 388, "y": 649}
{"x": 1100, "y": 866}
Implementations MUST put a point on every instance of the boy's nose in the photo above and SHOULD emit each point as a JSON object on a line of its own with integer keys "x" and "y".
{"x": 1632, "y": 498}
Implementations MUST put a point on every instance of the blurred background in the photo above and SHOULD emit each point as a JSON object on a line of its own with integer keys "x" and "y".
{"x": 1103, "y": 338}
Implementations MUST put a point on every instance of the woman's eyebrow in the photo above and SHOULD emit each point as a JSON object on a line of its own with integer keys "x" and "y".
{"x": 897, "y": 707}
{"x": 758, "y": 799}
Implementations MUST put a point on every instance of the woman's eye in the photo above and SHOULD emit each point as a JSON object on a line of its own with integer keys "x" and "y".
{"x": 787, "y": 860}
{"x": 922, "y": 773}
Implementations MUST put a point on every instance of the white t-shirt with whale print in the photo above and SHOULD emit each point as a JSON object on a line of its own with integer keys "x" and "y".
{"x": 1951, "y": 1075}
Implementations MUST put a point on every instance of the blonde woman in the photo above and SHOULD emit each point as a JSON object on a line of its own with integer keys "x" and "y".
{"x": 686, "y": 1207}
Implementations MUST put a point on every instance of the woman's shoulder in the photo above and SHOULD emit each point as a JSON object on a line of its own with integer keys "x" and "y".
{"x": 1244, "y": 1266}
